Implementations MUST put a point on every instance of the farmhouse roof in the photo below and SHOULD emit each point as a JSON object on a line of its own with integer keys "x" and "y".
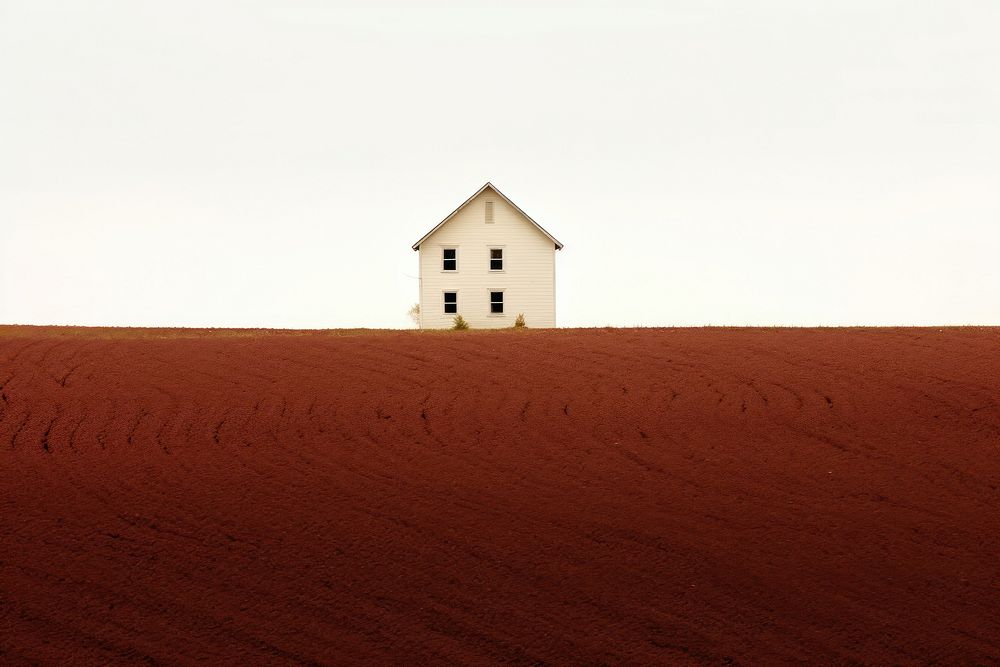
{"x": 559, "y": 246}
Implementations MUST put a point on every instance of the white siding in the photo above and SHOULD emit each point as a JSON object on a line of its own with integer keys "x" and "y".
{"x": 528, "y": 278}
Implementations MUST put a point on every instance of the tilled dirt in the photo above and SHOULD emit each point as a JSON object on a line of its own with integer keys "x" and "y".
{"x": 749, "y": 496}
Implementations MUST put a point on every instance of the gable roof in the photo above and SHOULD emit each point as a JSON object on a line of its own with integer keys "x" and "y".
{"x": 559, "y": 246}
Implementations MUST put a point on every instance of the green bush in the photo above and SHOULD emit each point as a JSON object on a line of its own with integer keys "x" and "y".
{"x": 460, "y": 323}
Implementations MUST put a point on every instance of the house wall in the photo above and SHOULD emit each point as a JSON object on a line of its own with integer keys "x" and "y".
{"x": 528, "y": 278}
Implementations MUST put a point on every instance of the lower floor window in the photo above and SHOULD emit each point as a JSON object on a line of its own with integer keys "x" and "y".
{"x": 451, "y": 302}
{"x": 496, "y": 302}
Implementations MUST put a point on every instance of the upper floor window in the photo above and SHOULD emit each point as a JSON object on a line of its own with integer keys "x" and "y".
{"x": 496, "y": 259}
{"x": 489, "y": 212}
{"x": 450, "y": 259}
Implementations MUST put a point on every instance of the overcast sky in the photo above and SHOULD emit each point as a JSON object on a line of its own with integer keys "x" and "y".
{"x": 216, "y": 163}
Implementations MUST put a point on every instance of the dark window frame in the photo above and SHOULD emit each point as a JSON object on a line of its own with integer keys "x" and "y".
{"x": 453, "y": 259}
{"x": 494, "y": 303}
{"x": 453, "y": 304}
{"x": 496, "y": 263}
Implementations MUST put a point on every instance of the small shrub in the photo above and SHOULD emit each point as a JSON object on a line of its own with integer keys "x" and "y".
{"x": 519, "y": 322}
{"x": 414, "y": 313}
{"x": 460, "y": 323}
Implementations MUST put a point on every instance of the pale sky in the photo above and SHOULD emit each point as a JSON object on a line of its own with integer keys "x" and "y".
{"x": 268, "y": 163}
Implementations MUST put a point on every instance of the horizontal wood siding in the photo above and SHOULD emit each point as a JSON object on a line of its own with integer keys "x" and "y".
{"x": 528, "y": 278}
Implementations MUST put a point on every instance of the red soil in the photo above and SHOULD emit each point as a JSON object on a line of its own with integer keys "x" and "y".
{"x": 668, "y": 496}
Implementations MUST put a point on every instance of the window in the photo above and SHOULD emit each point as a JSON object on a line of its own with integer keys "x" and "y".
{"x": 496, "y": 302}
{"x": 450, "y": 259}
{"x": 489, "y": 212}
{"x": 450, "y": 303}
{"x": 496, "y": 259}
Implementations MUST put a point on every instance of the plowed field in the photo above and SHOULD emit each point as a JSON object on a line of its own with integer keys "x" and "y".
{"x": 742, "y": 496}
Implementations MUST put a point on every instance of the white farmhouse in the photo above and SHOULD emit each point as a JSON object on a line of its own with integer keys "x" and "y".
{"x": 488, "y": 261}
